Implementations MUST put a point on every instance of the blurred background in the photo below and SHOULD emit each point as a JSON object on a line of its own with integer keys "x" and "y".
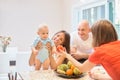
{"x": 19, "y": 19}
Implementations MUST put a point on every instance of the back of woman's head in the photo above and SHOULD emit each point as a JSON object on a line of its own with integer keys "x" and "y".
{"x": 103, "y": 32}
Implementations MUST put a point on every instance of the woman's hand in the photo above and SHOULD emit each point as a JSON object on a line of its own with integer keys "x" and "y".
{"x": 60, "y": 47}
{"x": 38, "y": 46}
{"x": 63, "y": 52}
{"x": 49, "y": 47}
{"x": 99, "y": 74}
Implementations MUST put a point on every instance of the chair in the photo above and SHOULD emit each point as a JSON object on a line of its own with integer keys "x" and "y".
{"x": 4, "y": 63}
{"x": 4, "y": 66}
{"x": 22, "y": 61}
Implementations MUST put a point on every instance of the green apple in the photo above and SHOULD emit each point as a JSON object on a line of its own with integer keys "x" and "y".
{"x": 76, "y": 71}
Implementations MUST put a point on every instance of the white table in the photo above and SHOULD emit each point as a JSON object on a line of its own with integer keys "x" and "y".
{"x": 51, "y": 75}
{"x": 46, "y": 75}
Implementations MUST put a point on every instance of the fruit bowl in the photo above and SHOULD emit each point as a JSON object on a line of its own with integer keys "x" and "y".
{"x": 68, "y": 76}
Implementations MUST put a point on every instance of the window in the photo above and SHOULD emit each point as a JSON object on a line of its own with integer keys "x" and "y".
{"x": 94, "y": 13}
{"x": 98, "y": 9}
{"x": 91, "y": 12}
{"x": 117, "y": 17}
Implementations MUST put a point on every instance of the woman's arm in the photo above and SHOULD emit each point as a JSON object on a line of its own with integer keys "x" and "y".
{"x": 34, "y": 53}
{"x": 32, "y": 59}
{"x": 99, "y": 73}
{"x": 86, "y": 66}
{"x": 56, "y": 62}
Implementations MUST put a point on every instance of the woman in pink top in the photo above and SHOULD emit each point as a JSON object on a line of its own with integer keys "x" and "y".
{"x": 106, "y": 50}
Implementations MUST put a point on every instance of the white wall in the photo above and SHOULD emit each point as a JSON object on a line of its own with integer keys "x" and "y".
{"x": 67, "y": 10}
{"x": 20, "y": 19}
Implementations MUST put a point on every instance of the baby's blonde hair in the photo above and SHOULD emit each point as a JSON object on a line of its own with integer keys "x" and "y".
{"x": 41, "y": 26}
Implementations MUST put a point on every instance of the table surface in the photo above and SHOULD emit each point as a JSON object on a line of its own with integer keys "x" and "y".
{"x": 51, "y": 75}
{"x": 47, "y": 75}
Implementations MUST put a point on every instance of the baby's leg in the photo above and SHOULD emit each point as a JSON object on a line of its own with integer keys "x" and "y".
{"x": 46, "y": 64}
{"x": 37, "y": 64}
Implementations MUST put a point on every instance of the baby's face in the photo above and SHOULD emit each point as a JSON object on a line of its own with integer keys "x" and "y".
{"x": 43, "y": 33}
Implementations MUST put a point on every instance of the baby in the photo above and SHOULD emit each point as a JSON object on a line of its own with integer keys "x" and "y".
{"x": 40, "y": 49}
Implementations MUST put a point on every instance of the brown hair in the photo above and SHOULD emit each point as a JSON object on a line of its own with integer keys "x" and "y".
{"x": 66, "y": 42}
{"x": 103, "y": 32}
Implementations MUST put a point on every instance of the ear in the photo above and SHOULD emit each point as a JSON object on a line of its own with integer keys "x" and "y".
{"x": 89, "y": 30}
{"x": 38, "y": 32}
